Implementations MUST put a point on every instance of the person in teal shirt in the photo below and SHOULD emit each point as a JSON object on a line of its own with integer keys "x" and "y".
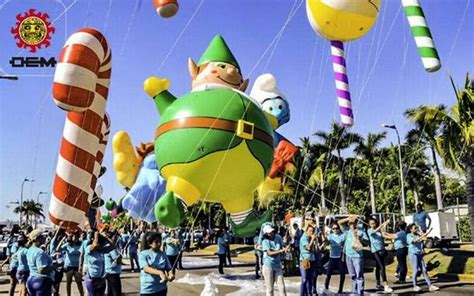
{"x": 221, "y": 249}
{"x": 415, "y": 253}
{"x": 40, "y": 265}
{"x": 94, "y": 259}
{"x": 155, "y": 268}
{"x": 308, "y": 260}
{"x": 13, "y": 246}
{"x": 377, "y": 247}
{"x": 401, "y": 250}
{"x": 113, "y": 269}
{"x": 420, "y": 217}
{"x": 71, "y": 251}
{"x": 172, "y": 249}
{"x": 272, "y": 248}
{"x": 86, "y": 238}
{"x": 22, "y": 272}
{"x": 132, "y": 247}
{"x": 354, "y": 237}
{"x": 336, "y": 241}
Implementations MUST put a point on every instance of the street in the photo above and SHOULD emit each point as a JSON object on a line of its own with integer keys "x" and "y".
{"x": 201, "y": 273}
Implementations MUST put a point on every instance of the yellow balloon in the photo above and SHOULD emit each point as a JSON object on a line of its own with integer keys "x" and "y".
{"x": 126, "y": 163}
{"x": 342, "y": 20}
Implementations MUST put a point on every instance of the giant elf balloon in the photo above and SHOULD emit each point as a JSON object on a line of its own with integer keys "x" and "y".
{"x": 213, "y": 144}
{"x": 81, "y": 85}
{"x": 272, "y": 101}
{"x": 338, "y": 21}
{"x": 422, "y": 34}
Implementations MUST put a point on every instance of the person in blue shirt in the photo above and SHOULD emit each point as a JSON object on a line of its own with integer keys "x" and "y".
{"x": 227, "y": 238}
{"x": 401, "y": 250}
{"x": 181, "y": 248}
{"x": 40, "y": 265}
{"x": 72, "y": 253}
{"x": 172, "y": 249}
{"x": 297, "y": 233}
{"x": 124, "y": 237}
{"x": 22, "y": 272}
{"x": 113, "y": 268}
{"x": 258, "y": 255}
{"x": 415, "y": 253}
{"x": 272, "y": 248}
{"x": 377, "y": 247}
{"x": 132, "y": 247}
{"x": 54, "y": 251}
{"x": 221, "y": 250}
{"x": 336, "y": 243}
{"x": 354, "y": 237}
{"x": 155, "y": 268}
{"x": 420, "y": 217}
{"x": 308, "y": 259}
{"x": 94, "y": 259}
{"x": 12, "y": 260}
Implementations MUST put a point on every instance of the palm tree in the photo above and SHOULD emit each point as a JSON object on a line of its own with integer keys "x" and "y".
{"x": 336, "y": 141}
{"x": 428, "y": 120}
{"x": 30, "y": 209}
{"x": 418, "y": 171}
{"x": 455, "y": 143}
{"x": 368, "y": 149}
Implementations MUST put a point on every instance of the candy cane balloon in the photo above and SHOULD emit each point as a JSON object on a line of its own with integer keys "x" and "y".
{"x": 337, "y": 21}
{"x": 81, "y": 85}
{"x": 422, "y": 34}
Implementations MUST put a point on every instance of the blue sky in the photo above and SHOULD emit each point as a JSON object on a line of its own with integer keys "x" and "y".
{"x": 385, "y": 71}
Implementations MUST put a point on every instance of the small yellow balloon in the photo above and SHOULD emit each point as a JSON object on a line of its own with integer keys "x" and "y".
{"x": 154, "y": 85}
{"x": 342, "y": 20}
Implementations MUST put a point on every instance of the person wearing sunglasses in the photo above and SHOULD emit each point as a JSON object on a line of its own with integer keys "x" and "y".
{"x": 415, "y": 253}
{"x": 336, "y": 244}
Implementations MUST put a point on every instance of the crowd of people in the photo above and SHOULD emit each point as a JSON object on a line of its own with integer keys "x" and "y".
{"x": 38, "y": 261}
{"x": 319, "y": 253}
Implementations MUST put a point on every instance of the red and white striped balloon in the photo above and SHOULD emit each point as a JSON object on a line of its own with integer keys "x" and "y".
{"x": 81, "y": 86}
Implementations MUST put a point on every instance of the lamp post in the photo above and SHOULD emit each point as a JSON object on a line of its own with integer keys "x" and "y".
{"x": 21, "y": 195}
{"x": 402, "y": 201}
{"x": 39, "y": 193}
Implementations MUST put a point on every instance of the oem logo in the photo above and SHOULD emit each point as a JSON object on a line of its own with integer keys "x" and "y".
{"x": 32, "y": 30}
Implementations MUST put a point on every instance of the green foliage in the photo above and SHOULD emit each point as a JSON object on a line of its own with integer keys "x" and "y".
{"x": 465, "y": 229}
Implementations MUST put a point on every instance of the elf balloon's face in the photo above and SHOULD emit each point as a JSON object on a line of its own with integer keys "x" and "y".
{"x": 342, "y": 20}
{"x": 278, "y": 108}
{"x": 220, "y": 73}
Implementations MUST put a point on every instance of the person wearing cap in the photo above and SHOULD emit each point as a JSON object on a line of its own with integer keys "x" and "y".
{"x": 71, "y": 252}
{"x": 40, "y": 265}
{"x": 354, "y": 237}
{"x": 272, "y": 248}
{"x": 420, "y": 217}
{"x": 22, "y": 271}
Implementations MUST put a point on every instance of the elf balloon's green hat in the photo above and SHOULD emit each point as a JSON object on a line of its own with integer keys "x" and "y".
{"x": 218, "y": 51}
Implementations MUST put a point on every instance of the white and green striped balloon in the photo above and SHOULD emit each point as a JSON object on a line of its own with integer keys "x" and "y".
{"x": 422, "y": 34}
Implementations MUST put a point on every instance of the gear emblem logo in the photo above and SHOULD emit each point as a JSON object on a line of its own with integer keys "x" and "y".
{"x": 32, "y": 30}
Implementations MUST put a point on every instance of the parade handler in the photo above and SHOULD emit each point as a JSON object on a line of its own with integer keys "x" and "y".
{"x": 213, "y": 144}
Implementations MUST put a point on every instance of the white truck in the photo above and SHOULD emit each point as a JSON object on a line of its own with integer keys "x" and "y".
{"x": 444, "y": 229}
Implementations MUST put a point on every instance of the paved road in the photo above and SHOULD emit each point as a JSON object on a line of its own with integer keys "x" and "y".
{"x": 239, "y": 280}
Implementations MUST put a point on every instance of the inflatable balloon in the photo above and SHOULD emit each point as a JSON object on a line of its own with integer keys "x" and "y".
{"x": 273, "y": 102}
{"x": 422, "y": 34}
{"x": 213, "y": 144}
{"x": 337, "y": 21}
{"x": 166, "y": 8}
{"x": 110, "y": 204}
{"x": 145, "y": 192}
{"x": 114, "y": 213}
{"x": 126, "y": 163}
{"x": 81, "y": 84}
{"x": 106, "y": 218}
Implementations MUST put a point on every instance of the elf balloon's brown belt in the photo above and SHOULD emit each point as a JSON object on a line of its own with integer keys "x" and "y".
{"x": 241, "y": 128}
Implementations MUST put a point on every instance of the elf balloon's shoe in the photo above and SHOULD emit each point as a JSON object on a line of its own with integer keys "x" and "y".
{"x": 251, "y": 223}
{"x": 169, "y": 210}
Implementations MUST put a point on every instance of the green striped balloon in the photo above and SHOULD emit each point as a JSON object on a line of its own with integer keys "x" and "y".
{"x": 421, "y": 33}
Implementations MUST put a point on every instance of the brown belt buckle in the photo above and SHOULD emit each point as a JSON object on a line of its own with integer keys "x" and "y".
{"x": 245, "y": 129}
